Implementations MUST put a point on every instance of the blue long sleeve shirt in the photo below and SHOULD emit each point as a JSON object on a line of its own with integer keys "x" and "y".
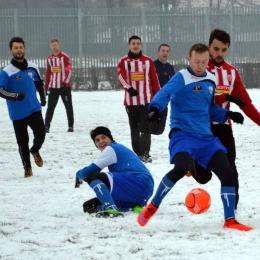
{"x": 15, "y": 80}
{"x": 192, "y": 102}
{"x": 118, "y": 158}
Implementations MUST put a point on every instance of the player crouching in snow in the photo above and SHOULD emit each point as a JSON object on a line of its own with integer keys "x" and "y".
{"x": 127, "y": 186}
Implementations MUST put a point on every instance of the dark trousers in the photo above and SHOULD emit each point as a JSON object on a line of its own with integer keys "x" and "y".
{"x": 218, "y": 164}
{"x": 35, "y": 122}
{"x": 139, "y": 128}
{"x": 53, "y": 98}
{"x": 225, "y": 135}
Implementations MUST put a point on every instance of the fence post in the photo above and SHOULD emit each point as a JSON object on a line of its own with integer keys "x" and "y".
{"x": 144, "y": 27}
{"x": 231, "y": 51}
{"x": 16, "y": 29}
{"x": 80, "y": 38}
{"x": 207, "y": 26}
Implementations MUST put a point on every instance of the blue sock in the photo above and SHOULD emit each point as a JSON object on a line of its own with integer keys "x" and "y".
{"x": 103, "y": 194}
{"x": 164, "y": 187}
{"x": 228, "y": 197}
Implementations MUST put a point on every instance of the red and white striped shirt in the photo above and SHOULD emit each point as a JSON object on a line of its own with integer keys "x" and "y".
{"x": 140, "y": 74}
{"x": 229, "y": 82}
{"x": 58, "y": 71}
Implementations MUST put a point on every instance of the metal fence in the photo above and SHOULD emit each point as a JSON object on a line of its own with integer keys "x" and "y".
{"x": 95, "y": 39}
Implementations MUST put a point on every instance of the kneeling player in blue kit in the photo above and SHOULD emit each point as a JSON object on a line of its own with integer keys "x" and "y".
{"x": 127, "y": 186}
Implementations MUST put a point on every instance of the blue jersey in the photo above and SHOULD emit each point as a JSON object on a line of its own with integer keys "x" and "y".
{"x": 15, "y": 80}
{"x": 119, "y": 159}
{"x": 192, "y": 102}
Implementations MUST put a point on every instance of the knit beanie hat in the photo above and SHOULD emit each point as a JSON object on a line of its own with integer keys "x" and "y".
{"x": 101, "y": 130}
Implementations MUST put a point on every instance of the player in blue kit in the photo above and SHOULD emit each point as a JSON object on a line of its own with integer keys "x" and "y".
{"x": 19, "y": 82}
{"x": 191, "y": 95}
{"x": 128, "y": 184}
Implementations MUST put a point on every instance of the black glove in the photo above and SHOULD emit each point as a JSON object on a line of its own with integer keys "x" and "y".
{"x": 154, "y": 115}
{"x": 133, "y": 92}
{"x": 78, "y": 183}
{"x": 235, "y": 116}
{"x": 238, "y": 101}
{"x": 19, "y": 96}
{"x": 63, "y": 85}
{"x": 43, "y": 102}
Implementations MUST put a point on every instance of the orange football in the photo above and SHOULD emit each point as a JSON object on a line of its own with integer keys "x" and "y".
{"x": 198, "y": 201}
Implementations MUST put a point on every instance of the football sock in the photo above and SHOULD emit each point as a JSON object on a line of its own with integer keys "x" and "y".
{"x": 228, "y": 197}
{"x": 103, "y": 194}
{"x": 164, "y": 187}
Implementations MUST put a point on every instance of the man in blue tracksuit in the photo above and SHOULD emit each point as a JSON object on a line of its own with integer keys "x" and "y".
{"x": 191, "y": 94}
{"x": 18, "y": 84}
{"x": 165, "y": 71}
{"x": 128, "y": 184}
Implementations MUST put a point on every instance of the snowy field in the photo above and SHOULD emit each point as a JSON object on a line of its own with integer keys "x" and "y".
{"x": 42, "y": 217}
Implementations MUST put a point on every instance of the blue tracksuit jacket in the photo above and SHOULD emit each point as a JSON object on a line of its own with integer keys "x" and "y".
{"x": 164, "y": 72}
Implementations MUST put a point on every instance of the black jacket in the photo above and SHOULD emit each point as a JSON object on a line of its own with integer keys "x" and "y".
{"x": 164, "y": 72}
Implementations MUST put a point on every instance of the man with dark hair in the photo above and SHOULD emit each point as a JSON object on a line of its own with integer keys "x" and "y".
{"x": 137, "y": 76}
{"x": 165, "y": 71}
{"x": 57, "y": 83}
{"x": 191, "y": 95}
{"x": 126, "y": 186}
{"x": 163, "y": 68}
{"x": 229, "y": 89}
{"x": 18, "y": 84}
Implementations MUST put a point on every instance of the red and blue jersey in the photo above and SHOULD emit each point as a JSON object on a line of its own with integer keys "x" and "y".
{"x": 58, "y": 71}
{"x": 228, "y": 81}
{"x": 140, "y": 74}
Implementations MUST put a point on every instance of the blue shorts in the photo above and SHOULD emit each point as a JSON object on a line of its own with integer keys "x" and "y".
{"x": 200, "y": 148}
{"x": 128, "y": 190}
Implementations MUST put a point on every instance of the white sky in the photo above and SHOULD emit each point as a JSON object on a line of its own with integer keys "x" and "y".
{"x": 42, "y": 217}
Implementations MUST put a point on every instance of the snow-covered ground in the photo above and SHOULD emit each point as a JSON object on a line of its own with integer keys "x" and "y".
{"x": 42, "y": 217}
